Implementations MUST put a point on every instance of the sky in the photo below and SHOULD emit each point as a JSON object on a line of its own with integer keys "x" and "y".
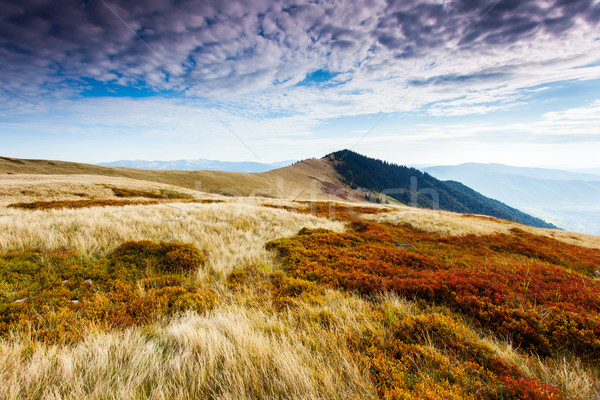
{"x": 412, "y": 82}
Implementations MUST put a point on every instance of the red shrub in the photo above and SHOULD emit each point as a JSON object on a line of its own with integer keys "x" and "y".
{"x": 518, "y": 285}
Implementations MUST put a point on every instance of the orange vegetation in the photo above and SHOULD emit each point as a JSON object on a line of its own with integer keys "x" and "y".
{"x": 58, "y": 296}
{"x": 535, "y": 290}
{"x": 61, "y": 204}
{"x": 74, "y": 204}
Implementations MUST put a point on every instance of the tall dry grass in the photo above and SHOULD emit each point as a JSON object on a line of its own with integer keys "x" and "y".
{"x": 568, "y": 374}
{"x": 230, "y": 354}
{"x": 244, "y": 348}
{"x": 29, "y": 188}
{"x": 232, "y": 233}
{"x": 240, "y": 352}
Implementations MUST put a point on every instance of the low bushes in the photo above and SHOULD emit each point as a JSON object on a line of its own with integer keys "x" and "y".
{"x": 71, "y": 204}
{"x": 161, "y": 194}
{"x": 57, "y": 297}
{"x": 517, "y": 285}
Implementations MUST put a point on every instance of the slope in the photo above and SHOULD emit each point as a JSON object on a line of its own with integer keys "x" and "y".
{"x": 306, "y": 180}
{"x": 411, "y": 186}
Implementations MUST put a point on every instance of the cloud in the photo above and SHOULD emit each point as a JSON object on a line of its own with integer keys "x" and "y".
{"x": 286, "y": 65}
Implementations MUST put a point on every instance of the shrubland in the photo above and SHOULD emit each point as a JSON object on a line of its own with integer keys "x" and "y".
{"x": 261, "y": 298}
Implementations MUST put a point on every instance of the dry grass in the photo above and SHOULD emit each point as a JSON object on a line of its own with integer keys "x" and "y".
{"x": 445, "y": 223}
{"x": 29, "y": 188}
{"x": 233, "y": 233}
{"x": 230, "y": 354}
{"x": 293, "y": 182}
{"x": 573, "y": 378}
{"x": 240, "y": 351}
{"x": 247, "y": 347}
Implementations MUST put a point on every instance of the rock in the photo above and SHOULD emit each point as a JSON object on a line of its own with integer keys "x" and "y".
{"x": 88, "y": 281}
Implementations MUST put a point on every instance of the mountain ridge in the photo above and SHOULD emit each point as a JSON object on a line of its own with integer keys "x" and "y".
{"x": 570, "y": 204}
{"x": 311, "y": 179}
{"x": 412, "y": 186}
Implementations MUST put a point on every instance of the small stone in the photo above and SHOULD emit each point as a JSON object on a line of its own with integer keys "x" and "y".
{"x": 21, "y": 300}
{"x": 88, "y": 281}
{"x": 65, "y": 281}
{"x": 75, "y": 301}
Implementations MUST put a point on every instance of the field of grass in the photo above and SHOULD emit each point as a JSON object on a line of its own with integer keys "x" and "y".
{"x": 309, "y": 179}
{"x": 243, "y": 298}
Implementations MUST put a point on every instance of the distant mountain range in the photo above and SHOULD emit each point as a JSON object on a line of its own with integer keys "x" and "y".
{"x": 570, "y": 200}
{"x": 199, "y": 165}
{"x": 411, "y": 186}
{"x": 534, "y": 196}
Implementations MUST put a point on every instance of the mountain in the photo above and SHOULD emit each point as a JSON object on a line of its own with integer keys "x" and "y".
{"x": 197, "y": 165}
{"x": 411, "y": 186}
{"x": 477, "y": 169}
{"x": 568, "y": 199}
{"x": 312, "y": 179}
{"x": 592, "y": 171}
{"x": 335, "y": 176}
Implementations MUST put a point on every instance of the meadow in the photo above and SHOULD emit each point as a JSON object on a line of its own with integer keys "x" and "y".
{"x": 206, "y": 296}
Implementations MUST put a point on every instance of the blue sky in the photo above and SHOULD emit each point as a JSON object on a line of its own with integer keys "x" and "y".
{"x": 412, "y": 82}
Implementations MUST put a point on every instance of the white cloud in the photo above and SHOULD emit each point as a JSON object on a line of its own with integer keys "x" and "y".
{"x": 245, "y": 58}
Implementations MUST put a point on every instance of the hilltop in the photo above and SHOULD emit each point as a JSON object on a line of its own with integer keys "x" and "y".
{"x": 343, "y": 175}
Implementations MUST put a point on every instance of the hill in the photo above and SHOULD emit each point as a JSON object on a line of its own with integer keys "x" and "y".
{"x": 567, "y": 199}
{"x": 120, "y": 287}
{"x": 335, "y": 176}
{"x": 411, "y": 186}
{"x": 306, "y": 180}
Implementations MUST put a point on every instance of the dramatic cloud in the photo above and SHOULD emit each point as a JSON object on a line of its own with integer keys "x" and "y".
{"x": 234, "y": 46}
{"x": 284, "y": 65}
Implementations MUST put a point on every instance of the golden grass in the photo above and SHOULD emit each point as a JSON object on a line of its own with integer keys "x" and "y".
{"x": 230, "y": 354}
{"x": 445, "y": 223}
{"x": 233, "y": 233}
{"x": 240, "y": 351}
{"x": 293, "y": 182}
{"x": 573, "y": 378}
{"x": 247, "y": 347}
{"x": 30, "y": 188}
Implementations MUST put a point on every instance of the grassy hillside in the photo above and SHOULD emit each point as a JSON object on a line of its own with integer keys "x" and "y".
{"x": 309, "y": 179}
{"x": 207, "y": 296}
{"x": 211, "y": 181}
{"x": 273, "y": 299}
{"x": 333, "y": 177}
{"x": 411, "y": 186}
